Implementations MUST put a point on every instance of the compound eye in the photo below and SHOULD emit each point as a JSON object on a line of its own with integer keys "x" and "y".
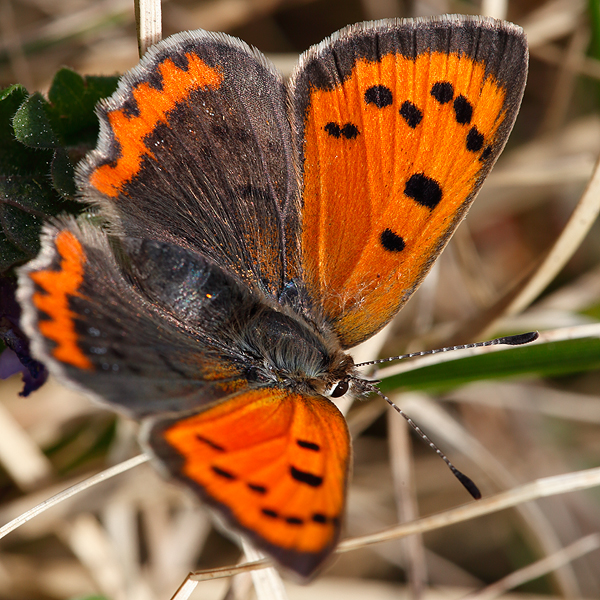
{"x": 340, "y": 389}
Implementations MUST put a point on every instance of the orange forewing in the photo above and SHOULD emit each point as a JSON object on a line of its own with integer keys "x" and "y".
{"x": 275, "y": 465}
{"x": 367, "y": 243}
{"x": 54, "y": 287}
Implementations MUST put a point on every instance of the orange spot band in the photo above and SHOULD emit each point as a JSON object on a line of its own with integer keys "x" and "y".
{"x": 59, "y": 286}
{"x": 153, "y": 106}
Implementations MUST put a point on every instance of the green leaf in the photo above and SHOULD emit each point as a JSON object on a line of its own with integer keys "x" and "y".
{"x": 15, "y": 157}
{"x": 20, "y": 228}
{"x": 36, "y": 171}
{"x": 550, "y": 359}
{"x": 9, "y": 254}
{"x": 11, "y": 151}
{"x": 73, "y": 100}
{"x": 63, "y": 174}
{"x": 32, "y": 193}
{"x": 31, "y": 124}
{"x": 25, "y": 190}
{"x": 15, "y": 91}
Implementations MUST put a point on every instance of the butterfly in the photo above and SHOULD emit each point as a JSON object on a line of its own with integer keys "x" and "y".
{"x": 245, "y": 232}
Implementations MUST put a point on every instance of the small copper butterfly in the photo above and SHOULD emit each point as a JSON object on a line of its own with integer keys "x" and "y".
{"x": 252, "y": 230}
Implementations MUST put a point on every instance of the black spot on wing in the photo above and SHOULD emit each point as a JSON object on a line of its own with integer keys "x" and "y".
{"x": 348, "y": 130}
{"x": 39, "y": 289}
{"x": 295, "y": 520}
{"x": 155, "y": 78}
{"x": 305, "y": 477}
{"x": 223, "y": 473}
{"x": 411, "y": 114}
{"x": 392, "y": 241}
{"x": 180, "y": 60}
{"x": 442, "y": 91}
{"x": 474, "y": 140}
{"x": 333, "y": 129}
{"x": 487, "y": 152}
{"x": 463, "y": 110}
{"x": 423, "y": 190}
{"x": 259, "y": 489}
{"x": 308, "y": 445}
{"x": 43, "y": 316}
{"x": 379, "y": 95}
{"x": 210, "y": 443}
{"x": 130, "y": 108}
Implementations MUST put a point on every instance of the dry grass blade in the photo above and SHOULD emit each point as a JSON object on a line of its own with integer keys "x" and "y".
{"x": 537, "y": 526}
{"x": 185, "y": 590}
{"x": 406, "y": 501}
{"x": 88, "y": 541}
{"x": 541, "y": 567}
{"x": 148, "y": 19}
{"x": 577, "y": 228}
{"x": 531, "y": 398}
{"x": 542, "y": 488}
{"x": 229, "y": 571}
{"x": 72, "y": 491}
{"x": 20, "y": 456}
{"x": 267, "y": 582}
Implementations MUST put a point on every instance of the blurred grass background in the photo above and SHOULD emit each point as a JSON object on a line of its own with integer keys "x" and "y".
{"x": 136, "y": 537}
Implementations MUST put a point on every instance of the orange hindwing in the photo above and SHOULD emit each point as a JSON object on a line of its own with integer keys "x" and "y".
{"x": 274, "y": 463}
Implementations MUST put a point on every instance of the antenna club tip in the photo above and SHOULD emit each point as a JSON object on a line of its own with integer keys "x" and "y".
{"x": 468, "y": 484}
{"x": 519, "y": 339}
{"x": 475, "y": 493}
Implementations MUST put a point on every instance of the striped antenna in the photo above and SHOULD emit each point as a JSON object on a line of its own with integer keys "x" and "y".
{"x": 511, "y": 340}
{"x": 466, "y": 481}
